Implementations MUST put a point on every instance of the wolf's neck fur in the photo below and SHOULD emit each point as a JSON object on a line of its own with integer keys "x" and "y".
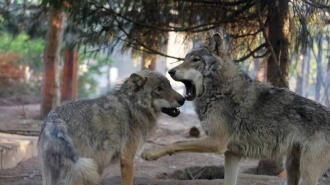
{"x": 138, "y": 108}
{"x": 228, "y": 83}
{"x": 227, "y": 80}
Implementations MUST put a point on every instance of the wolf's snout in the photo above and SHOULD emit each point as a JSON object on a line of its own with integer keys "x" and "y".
{"x": 171, "y": 72}
{"x": 181, "y": 101}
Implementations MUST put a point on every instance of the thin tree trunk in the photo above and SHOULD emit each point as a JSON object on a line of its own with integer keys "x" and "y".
{"x": 326, "y": 92}
{"x": 327, "y": 81}
{"x": 306, "y": 72}
{"x": 277, "y": 74}
{"x": 261, "y": 75}
{"x": 70, "y": 74}
{"x": 255, "y": 69}
{"x": 108, "y": 78}
{"x": 300, "y": 70}
{"x": 149, "y": 61}
{"x": 319, "y": 70}
{"x": 50, "y": 85}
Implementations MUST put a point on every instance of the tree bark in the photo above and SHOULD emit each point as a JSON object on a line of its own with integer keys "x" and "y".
{"x": 319, "y": 70}
{"x": 278, "y": 33}
{"x": 303, "y": 72}
{"x": 70, "y": 74}
{"x": 261, "y": 73}
{"x": 50, "y": 83}
{"x": 149, "y": 61}
{"x": 300, "y": 78}
{"x": 306, "y": 72}
{"x": 277, "y": 73}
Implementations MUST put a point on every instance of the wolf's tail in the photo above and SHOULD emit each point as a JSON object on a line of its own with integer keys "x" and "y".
{"x": 57, "y": 152}
{"x": 86, "y": 169}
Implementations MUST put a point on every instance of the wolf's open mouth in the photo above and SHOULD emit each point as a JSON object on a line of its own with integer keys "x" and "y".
{"x": 174, "y": 112}
{"x": 190, "y": 90}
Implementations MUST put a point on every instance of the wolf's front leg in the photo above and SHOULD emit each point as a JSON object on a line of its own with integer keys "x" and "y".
{"x": 205, "y": 145}
{"x": 126, "y": 163}
{"x": 127, "y": 172}
{"x": 231, "y": 168}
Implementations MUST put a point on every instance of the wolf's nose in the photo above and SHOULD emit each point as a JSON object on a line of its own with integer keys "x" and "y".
{"x": 181, "y": 101}
{"x": 171, "y": 72}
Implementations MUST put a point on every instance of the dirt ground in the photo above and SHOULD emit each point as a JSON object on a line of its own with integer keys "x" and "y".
{"x": 169, "y": 170}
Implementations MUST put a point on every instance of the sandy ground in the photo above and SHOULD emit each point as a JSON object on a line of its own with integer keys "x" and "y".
{"x": 165, "y": 171}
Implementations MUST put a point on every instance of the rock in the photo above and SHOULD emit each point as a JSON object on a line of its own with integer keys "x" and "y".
{"x": 15, "y": 149}
{"x": 194, "y": 132}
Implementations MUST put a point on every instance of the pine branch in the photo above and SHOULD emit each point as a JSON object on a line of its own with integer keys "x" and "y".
{"x": 193, "y": 29}
{"x": 235, "y": 36}
{"x": 252, "y": 53}
{"x": 225, "y": 3}
{"x": 316, "y": 4}
{"x": 143, "y": 45}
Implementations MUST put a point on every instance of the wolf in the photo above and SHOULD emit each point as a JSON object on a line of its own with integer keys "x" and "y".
{"x": 78, "y": 140}
{"x": 247, "y": 118}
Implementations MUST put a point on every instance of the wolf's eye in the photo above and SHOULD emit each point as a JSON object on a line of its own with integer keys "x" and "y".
{"x": 158, "y": 88}
{"x": 196, "y": 59}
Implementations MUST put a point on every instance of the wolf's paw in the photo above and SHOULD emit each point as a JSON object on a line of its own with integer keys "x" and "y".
{"x": 151, "y": 154}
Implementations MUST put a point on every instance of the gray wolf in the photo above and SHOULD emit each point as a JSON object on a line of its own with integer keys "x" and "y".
{"x": 80, "y": 139}
{"x": 247, "y": 118}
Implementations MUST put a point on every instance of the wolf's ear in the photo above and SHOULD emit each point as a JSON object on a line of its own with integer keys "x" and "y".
{"x": 136, "y": 81}
{"x": 215, "y": 45}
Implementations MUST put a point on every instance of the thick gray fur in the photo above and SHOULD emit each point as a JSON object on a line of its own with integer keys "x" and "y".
{"x": 80, "y": 139}
{"x": 248, "y": 118}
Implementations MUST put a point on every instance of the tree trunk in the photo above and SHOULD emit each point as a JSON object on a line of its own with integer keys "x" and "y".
{"x": 50, "y": 83}
{"x": 326, "y": 92}
{"x": 149, "y": 61}
{"x": 319, "y": 70}
{"x": 277, "y": 73}
{"x": 303, "y": 68}
{"x": 278, "y": 33}
{"x": 327, "y": 82}
{"x": 255, "y": 69}
{"x": 300, "y": 78}
{"x": 70, "y": 74}
{"x": 261, "y": 75}
{"x": 306, "y": 72}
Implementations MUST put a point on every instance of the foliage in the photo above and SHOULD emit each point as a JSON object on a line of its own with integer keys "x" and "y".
{"x": 20, "y": 88}
{"x": 23, "y": 16}
{"x": 91, "y": 64}
{"x": 143, "y": 25}
{"x": 30, "y": 49}
{"x": 310, "y": 21}
{"x": 29, "y": 53}
{"x": 23, "y": 55}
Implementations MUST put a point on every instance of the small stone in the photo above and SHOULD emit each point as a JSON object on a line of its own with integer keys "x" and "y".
{"x": 194, "y": 132}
